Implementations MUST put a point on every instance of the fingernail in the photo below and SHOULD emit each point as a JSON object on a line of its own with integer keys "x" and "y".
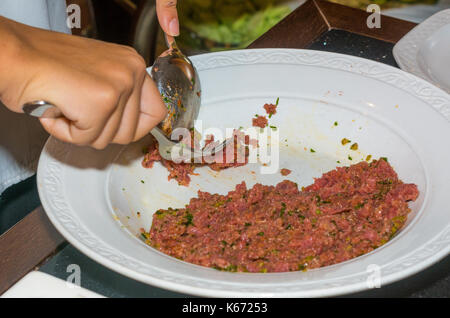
{"x": 174, "y": 27}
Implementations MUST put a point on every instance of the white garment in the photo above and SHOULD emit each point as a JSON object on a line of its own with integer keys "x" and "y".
{"x": 22, "y": 137}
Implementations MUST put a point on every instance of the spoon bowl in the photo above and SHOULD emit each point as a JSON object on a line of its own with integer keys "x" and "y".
{"x": 179, "y": 85}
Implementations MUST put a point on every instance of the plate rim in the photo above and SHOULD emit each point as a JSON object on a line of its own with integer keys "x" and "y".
{"x": 410, "y": 43}
{"x": 345, "y": 61}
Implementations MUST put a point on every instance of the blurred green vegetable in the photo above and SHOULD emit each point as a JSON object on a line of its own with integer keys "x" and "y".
{"x": 227, "y": 23}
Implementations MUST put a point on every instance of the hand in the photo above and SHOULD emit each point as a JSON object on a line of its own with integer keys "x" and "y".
{"x": 168, "y": 16}
{"x": 102, "y": 89}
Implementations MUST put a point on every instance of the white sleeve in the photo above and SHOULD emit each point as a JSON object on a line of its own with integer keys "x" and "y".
{"x": 22, "y": 137}
{"x": 58, "y": 15}
{"x": 45, "y": 14}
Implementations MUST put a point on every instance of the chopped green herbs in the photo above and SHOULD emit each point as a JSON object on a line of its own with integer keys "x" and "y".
{"x": 283, "y": 209}
{"x": 360, "y": 205}
{"x": 189, "y": 219}
{"x": 301, "y": 267}
{"x": 230, "y": 268}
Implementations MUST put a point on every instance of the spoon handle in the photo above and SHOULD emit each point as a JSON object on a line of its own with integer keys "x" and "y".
{"x": 165, "y": 145}
{"x": 42, "y": 109}
{"x": 170, "y": 42}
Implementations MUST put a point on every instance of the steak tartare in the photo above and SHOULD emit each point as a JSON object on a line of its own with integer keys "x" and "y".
{"x": 260, "y": 121}
{"x": 271, "y": 109}
{"x": 181, "y": 172}
{"x": 345, "y": 213}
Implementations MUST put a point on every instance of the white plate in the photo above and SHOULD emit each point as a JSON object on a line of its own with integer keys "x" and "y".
{"x": 92, "y": 196}
{"x": 417, "y": 13}
{"x": 425, "y": 49}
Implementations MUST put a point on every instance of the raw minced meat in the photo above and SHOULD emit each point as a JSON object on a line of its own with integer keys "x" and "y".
{"x": 260, "y": 121}
{"x": 181, "y": 172}
{"x": 271, "y": 109}
{"x": 345, "y": 213}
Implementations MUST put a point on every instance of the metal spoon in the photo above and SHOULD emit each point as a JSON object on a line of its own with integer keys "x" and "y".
{"x": 178, "y": 82}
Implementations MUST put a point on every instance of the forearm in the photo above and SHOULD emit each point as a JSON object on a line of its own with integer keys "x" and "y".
{"x": 11, "y": 64}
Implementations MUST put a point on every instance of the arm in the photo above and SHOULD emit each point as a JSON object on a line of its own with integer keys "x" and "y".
{"x": 102, "y": 89}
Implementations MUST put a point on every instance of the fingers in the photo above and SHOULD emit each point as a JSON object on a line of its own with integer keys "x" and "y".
{"x": 152, "y": 109}
{"x": 128, "y": 124}
{"x": 143, "y": 110}
{"x": 168, "y": 16}
{"x": 113, "y": 124}
{"x": 121, "y": 106}
{"x": 94, "y": 121}
{"x": 65, "y": 130}
{"x": 58, "y": 127}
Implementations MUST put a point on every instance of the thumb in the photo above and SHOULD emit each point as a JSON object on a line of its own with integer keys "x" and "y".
{"x": 153, "y": 109}
{"x": 168, "y": 16}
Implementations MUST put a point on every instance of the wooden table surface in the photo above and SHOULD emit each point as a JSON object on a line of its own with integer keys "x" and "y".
{"x": 34, "y": 239}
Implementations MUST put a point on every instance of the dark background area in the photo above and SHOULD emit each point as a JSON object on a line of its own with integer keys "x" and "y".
{"x": 113, "y": 23}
